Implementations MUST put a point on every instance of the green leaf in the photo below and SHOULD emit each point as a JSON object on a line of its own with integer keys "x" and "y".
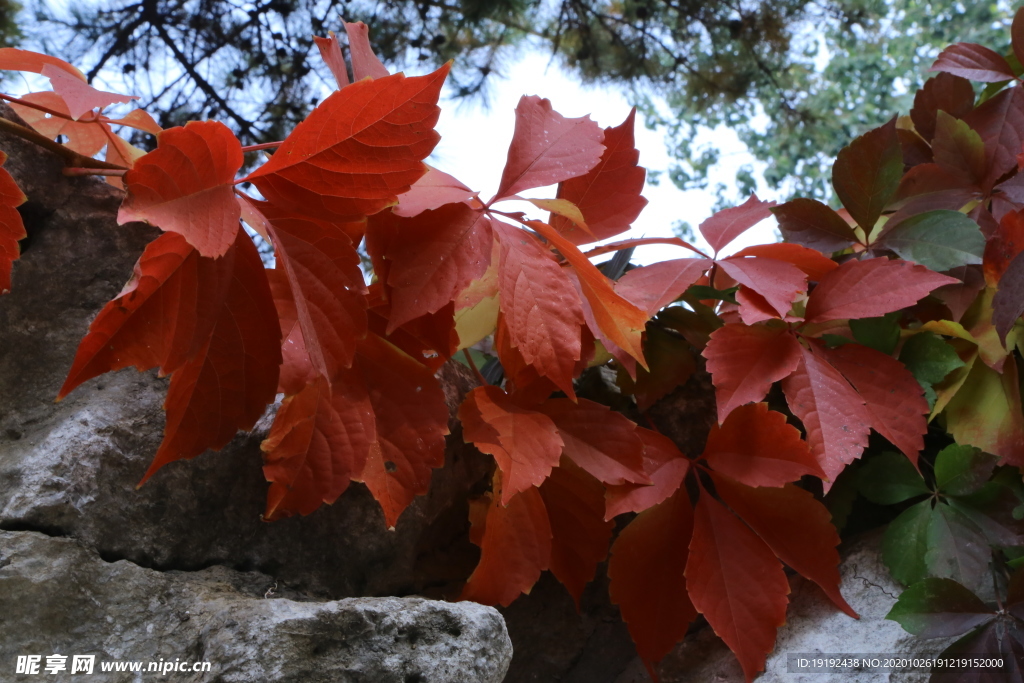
{"x": 957, "y": 548}
{"x": 962, "y": 470}
{"x": 939, "y": 608}
{"x": 703, "y": 292}
{"x": 906, "y": 542}
{"x": 834, "y": 341}
{"x": 889, "y": 478}
{"x": 929, "y": 358}
{"x": 940, "y": 240}
{"x": 881, "y": 334}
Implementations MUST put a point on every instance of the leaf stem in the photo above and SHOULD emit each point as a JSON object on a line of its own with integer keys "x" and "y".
{"x": 264, "y": 145}
{"x": 472, "y": 366}
{"x": 71, "y": 156}
{"x": 78, "y": 171}
{"x": 37, "y": 107}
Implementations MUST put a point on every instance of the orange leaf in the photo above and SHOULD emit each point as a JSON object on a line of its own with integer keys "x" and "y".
{"x": 608, "y": 195}
{"x": 655, "y": 286}
{"x": 795, "y": 526}
{"x": 364, "y": 63}
{"x": 575, "y": 505}
{"x": 86, "y": 138}
{"x": 185, "y": 186}
{"x": 757, "y": 447}
{"x": 12, "y": 228}
{"x": 24, "y": 60}
{"x": 319, "y": 441}
{"x": 539, "y": 305}
{"x": 296, "y": 367}
{"x": 358, "y": 150}
{"x": 80, "y": 97}
{"x": 736, "y": 582}
{"x": 515, "y": 547}
{"x": 330, "y": 52}
{"x": 547, "y": 148}
{"x": 646, "y": 574}
{"x": 666, "y": 467}
{"x": 810, "y": 261}
{"x": 602, "y": 442}
{"x": 524, "y": 443}
{"x": 521, "y": 378}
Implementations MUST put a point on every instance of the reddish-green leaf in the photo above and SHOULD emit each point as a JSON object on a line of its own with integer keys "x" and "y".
{"x": 602, "y": 442}
{"x": 666, "y": 467}
{"x": 833, "y": 414}
{"x": 580, "y": 536}
{"x": 524, "y": 443}
{"x": 358, "y": 150}
{"x": 868, "y": 289}
{"x": 608, "y": 195}
{"x": 757, "y": 447}
{"x": 944, "y": 92}
{"x": 225, "y": 384}
{"x": 959, "y": 149}
{"x": 646, "y": 574}
{"x": 186, "y": 186}
{"x": 1000, "y": 122}
{"x": 744, "y": 361}
{"x": 432, "y": 191}
{"x": 364, "y": 62}
{"x": 736, "y": 582}
{"x": 813, "y": 224}
{"x": 867, "y": 172}
{"x": 548, "y": 148}
{"x": 432, "y": 257}
{"x": 795, "y": 526}
{"x": 540, "y": 306}
{"x": 412, "y": 421}
{"x": 12, "y": 228}
{"x": 726, "y": 225}
{"x": 330, "y": 52}
{"x": 893, "y": 397}
{"x": 974, "y": 62}
{"x": 318, "y": 443}
{"x": 515, "y": 547}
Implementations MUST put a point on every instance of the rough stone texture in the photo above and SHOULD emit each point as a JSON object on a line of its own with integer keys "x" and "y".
{"x": 813, "y": 625}
{"x": 59, "y": 597}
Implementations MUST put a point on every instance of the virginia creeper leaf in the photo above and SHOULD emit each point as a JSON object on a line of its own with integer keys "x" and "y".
{"x": 756, "y": 447}
{"x": 186, "y": 186}
{"x": 985, "y": 412}
{"x": 780, "y": 283}
{"x": 665, "y": 465}
{"x": 814, "y": 225}
{"x": 654, "y": 286}
{"x": 12, "y": 228}
{"x": 959, "y": 149}
{"x": 810, "y": 261}
{"x": 608, "y": 195}
{"x": 944, "y": 92}
{"x": 86, "y": 138}
{"x": 1008, "y": 303}
{"x": 1000, "y": 122}
{"x": 939, "y": 240}
{"x": 358, "y": 150}
{"x": 330, "y": 52}
{"x": 432, "y": 191}
{"x": 974, "y": 62}
{"x": 547, "y": 148}
{"x": 736, "y": 582}
{"x": 14, "y": 59}
{"x": 79, "y": 96}
{"x": 744, "y": 361}
{"x": 867, "y": 289}
{"x": 939, "y": 608}
{"x": 906, "y": 542}
{"x": 525, "y": 443}
{"x": 962, "y": 470}
{"x": 364, "y": 62}
{"x": 671, "y": 364}
{"x": 889, "y": 478}
{"x": 881, "y": 333}
{"x": 726, "y": 225}
{"x": 867, "y": 172}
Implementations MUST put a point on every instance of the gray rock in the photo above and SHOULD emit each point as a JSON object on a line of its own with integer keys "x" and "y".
{"x": 60, "y": 598}
{"x": 813, "y": 625}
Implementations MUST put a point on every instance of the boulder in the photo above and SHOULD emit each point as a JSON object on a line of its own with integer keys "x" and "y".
{"x": 61, "y": 598}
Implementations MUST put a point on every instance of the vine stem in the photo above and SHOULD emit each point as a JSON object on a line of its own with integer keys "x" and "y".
{"x": 37, "y": 107}
{"x": 78, "y": 171}
{"x": 69, "y": 155}
{"x": 472, "y": 366}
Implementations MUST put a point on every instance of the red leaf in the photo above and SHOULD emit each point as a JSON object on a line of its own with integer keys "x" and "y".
{"x": 736, "y": 582}
{"x": 357, "y": 151}
{"x": 79, "y": 96}
{"x": 319, "y": 441}
{"x": 225, "y": 384}
{"x": 540, "y": 306}
{"x": 1003, "y": 246}
{"x": 602, "y": 442}
{"x": 618, "y": 320}
{"x": 323, "y": 272}
{"x": 758, "y": 448}
{"x": 655, "y": 286}
{"x": 1000, "y": 123}
{"x": 575, "y": 505}
{"x": 430, "y": 339}
{"x": 833, "y": 414}
{"x": 726, "y": 225}
{"x": 868, "y": 289}
{"x": 14, "y": 59}
{"x": 646, "y": 578}
{"x": 671, "y": 364}
{"x": 795, "y": 526}
{"x": 867, "y": 172}
{"x": 945, "y": 92}
{"x": 86, "y": 138}
{"x": 330, "y": 51}
{"x": 666, "y": 467}
{"x": 515, "y": 547}
{"x": 296, "y": 368}
{"x": 12, "y": 228}
{"x": 810, "y": 261}
{"x": 364, "y": 62}
{"x": 432, "y": 191}
{"x": 893, "y": 398}
{"x": 974, "y": 62}
{"x": 608, "y": 195}
{"x": 1008, "y": 302}
{"x": 412, "y": 421}
{"x": 521, "y": 378}
{"x": 186, "y": 185}
{"x": 432, "y": 257}
{"x": 744, "y": 361}
{"x": 1017, "y": 36}
{"x": 547, "y": 148}
{"x": 524, "y": 443}
{"x": 780, "y": 283}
